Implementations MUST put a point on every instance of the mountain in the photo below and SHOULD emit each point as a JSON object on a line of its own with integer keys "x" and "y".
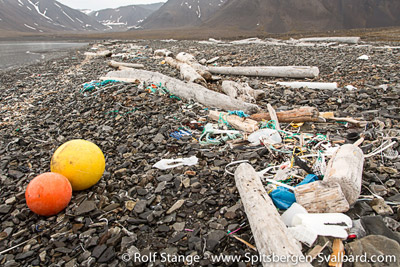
{"x": 279, "y": 16}
{"x": 125, "y": 17}
{"x": 182, "y": 13}
{"x": 43, "y": 16}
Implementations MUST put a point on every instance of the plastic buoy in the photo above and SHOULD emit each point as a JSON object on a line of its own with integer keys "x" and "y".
{"x": 81, "y": 161}
{"x": 48, "y": 194}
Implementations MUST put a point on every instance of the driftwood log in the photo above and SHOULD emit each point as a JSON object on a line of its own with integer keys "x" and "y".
{"x": 118, "y": 65}
{"x": 346, "y": 168}
{"x": 191, "y": 60}
{"x": 303, "y": 114}
{"x": 280, "y": 71}
{"x": 183, "y": 90}
{"x": 103, "y": 53}
{"x": 345, "y": 39}
{"x": 242, "y": 91}
{"x": 320, "y": 197}
{"x": 310, "y": 85}
{"x": 187, "y": 73}
{"x": 270, "y": 233}
{"x": 241, "y": 124}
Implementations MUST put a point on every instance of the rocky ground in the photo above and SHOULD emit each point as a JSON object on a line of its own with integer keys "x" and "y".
{"x": 183, "y": 211}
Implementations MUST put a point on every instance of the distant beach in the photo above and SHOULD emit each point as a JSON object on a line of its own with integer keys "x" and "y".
{"x": 14, "y": 54}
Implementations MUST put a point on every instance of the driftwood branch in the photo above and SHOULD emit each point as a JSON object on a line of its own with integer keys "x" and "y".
{"x": 242, "y": 124}
{"x": 270, "y": 233}
{"x": 304, "y": 114}
{"x": 184, "y": 90}
{"x": 187, "y": 73}
{"x": 191, "y": 60}
{"x": 118, "y": 65}
{"x": 241, "y": 91}
{"x": 280, "y": 71}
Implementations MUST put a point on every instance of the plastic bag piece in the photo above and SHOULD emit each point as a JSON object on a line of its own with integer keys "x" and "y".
{"x": 269, "y": 136}
{"x": 283, "y": 198}
{"x": 325, "y": 224}
{"x": 165, "y": 164}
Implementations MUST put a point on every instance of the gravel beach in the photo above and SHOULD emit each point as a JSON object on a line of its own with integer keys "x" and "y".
{"x": 184, "y": 212}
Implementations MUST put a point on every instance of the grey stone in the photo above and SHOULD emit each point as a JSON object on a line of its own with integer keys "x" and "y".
{"x": 140, "y": 206}
{"x": 98, "y": 250}
{"x": 107, "y": 255}
{"x": 176, "y": 237}
{"x": 380, "y": 190}
{"x": 374, "y": 225}
{"x": 85, "y": 207}
{"x": 23, "y": 256}
{"x": 371, "y": 247}
{"x": 4, "y": 209}
{"x": 165, "y": 178}
{"x": 63, "y": 250}
{"x": 380, "y": 207}
{"x": 15, "y": 174}
{"x": 160, "y": 187}
{"x": 158, "y": 138}
{"x": 179, "y": 226}
{"x": 84, "y": 256}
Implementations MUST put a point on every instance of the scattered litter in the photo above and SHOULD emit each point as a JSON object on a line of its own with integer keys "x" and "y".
{"x": 173, "y": 163}
{"x": 363, "y": 57}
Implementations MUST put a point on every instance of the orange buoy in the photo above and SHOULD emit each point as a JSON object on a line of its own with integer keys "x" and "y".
{"x": 48, "y": 194}
{"x": 81, "y": 161}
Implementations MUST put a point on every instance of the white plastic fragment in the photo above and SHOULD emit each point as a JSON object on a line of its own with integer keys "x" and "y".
{"x": 363, "y": 57}
{"x": 165, "y": 164}
{"x": 324, "y": 224}
{"x": 350, "y": 87}
{"x": 269, "y": 136}
{"x": 303, "y": 234}
{"x": 311, "y": 85}
{"x": 288, "y": 215}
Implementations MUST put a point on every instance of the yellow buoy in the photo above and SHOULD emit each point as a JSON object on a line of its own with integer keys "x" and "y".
{"x": 81, "y": 161}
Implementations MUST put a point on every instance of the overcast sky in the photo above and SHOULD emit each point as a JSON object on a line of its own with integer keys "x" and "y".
{"x": 101, "y": 4}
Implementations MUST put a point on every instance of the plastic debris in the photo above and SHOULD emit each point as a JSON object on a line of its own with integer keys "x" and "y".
{"x": 90, "y": 86}
{"x": 266, "y": 136}
{"x": 225, "y": 135}
{"x": 283, "y": 198}
{"x": 363, "y": 57}
{"x": 323, "y": 224}
{"x": 165, "y": 164}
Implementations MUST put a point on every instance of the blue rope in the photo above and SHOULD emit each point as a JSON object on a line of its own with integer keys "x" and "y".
{"x": 239, "y": 113}
{"x": 87, "y": 87}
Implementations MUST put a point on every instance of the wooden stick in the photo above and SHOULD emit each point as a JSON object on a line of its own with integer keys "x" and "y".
{"x": 270, "y": 233}
{"x": 241, "y": 124}
{"x": 350, "y": 120}
{"x": 184, "y": 90}
{"x": 274, "y": 117}
{"x": 304, "y": 114}
{"x": 337, "y": 255}
{"x": 283, "y": 71}
{"x": 117, "y": 65}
